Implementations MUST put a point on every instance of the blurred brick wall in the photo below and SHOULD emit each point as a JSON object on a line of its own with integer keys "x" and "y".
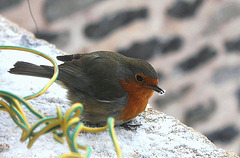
{"x": 193, "y": 44}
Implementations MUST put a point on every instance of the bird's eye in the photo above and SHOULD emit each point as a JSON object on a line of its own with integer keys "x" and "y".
{"x": 139, "y": 78}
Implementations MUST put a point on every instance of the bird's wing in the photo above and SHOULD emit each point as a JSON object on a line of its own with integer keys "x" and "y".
{"x": 73, "y": 74}
{"x": 94, "y": 73}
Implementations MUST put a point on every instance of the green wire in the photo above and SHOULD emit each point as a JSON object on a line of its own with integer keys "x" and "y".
{"x": 56, "y": 71}
{"x": 61, "y": 122}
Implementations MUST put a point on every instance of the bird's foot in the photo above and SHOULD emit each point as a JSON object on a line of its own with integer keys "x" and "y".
{"x": 130, "y": 126}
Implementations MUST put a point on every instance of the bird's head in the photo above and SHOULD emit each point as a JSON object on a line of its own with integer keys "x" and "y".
{"x": 141, "y": 75}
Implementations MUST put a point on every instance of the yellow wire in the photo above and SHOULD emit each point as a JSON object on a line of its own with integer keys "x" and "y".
{"x": 21, "y": 112}
{"x": 72, "y": 155}
{"x": 11, "y": 104}
{"x": 40, "y": 54}
{"x": 99, "y": 129}
{"x": 116, "y": 144}
{"x": 41, "y": 133}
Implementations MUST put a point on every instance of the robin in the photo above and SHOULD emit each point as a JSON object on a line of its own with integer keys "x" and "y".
{"x": 108, "y": 84}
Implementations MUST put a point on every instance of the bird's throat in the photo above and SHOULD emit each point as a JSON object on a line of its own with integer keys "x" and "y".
{"x": 137, "y": 100}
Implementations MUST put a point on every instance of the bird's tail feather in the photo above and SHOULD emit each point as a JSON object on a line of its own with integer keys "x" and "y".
{"x": 29, "y": 69}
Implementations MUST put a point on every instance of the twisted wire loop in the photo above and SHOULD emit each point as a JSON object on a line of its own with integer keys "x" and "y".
{"x": 68, "y": 125}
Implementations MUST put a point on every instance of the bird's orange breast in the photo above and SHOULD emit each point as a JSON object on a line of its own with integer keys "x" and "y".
{"x": 138, "y": 97}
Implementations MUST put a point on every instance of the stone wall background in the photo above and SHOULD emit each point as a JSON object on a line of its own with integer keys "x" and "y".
{"x": 193, "y": 44}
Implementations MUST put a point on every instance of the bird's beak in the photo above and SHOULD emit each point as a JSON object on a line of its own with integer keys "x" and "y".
{"x": 157, "y": 89}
